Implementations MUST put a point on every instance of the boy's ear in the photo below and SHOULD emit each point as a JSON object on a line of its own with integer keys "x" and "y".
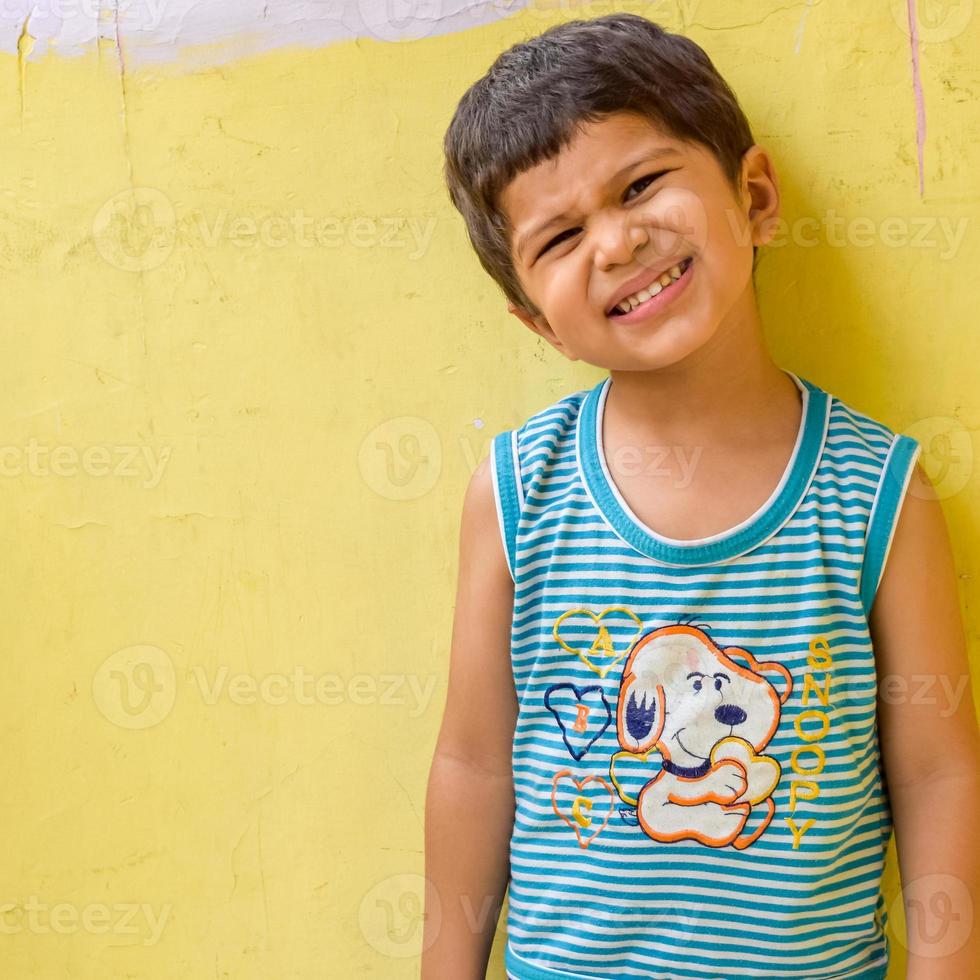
{"x": 540, "y": 326}
{"x": 761, "y": 186}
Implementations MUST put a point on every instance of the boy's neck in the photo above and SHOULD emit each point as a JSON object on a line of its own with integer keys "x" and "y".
{"x": 728, "y": 390}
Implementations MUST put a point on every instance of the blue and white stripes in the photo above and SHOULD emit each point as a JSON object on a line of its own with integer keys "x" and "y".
{"x": 697, "y": 777}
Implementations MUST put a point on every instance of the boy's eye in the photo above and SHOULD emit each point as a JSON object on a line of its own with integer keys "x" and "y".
{"x": 644, "y": 181}
{"x": 647, "y": 180}
{"x": 556, "y": 240}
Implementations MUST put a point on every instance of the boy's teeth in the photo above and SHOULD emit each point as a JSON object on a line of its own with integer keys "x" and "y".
{"x": 626, "y": 305}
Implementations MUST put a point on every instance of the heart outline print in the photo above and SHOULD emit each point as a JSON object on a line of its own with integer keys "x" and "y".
{"x": 595, "y": 718}
{"x": 581, "y": 815}
{"x": 602, "y": 649}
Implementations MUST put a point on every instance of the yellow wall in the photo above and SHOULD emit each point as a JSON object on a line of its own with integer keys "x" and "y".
{"x": 228, "y": 459}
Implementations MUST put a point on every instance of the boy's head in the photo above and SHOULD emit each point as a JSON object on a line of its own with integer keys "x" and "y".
{"x": 549, "y": 131}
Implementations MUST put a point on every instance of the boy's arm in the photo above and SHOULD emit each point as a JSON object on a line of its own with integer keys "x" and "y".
{"x": 469, "y": 810}
{"x": 929, "y": 740}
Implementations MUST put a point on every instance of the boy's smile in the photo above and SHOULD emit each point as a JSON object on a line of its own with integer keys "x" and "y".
{"x": 627, "y": 214}
{"x": 650, "y": 291}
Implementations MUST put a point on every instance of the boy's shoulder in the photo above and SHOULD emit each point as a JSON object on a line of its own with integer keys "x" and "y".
{"x": 523, "y": 455}
{"x": 560, "y": 412}
{"x": 853, "y": 427}
{"x": 553, "y": 415}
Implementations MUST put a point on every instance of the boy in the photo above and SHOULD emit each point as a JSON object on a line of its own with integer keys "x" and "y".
{"x": 666, "y": 705}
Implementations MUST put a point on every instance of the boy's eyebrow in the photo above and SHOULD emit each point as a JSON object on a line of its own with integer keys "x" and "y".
{"x": 522, "y": 240}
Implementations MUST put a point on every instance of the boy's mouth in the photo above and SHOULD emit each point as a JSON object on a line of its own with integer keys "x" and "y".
{"x": 635, "y": 305}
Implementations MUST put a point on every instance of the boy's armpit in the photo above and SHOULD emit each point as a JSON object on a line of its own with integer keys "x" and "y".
{"x": 895, "y": 484}
{"x": 507, "y": 491}
{"x": 481, "y": 702}
{"x": 926, "y": 716}
{"x": 481, "y": 521}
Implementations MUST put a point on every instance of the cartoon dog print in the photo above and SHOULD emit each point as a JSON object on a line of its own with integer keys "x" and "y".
{"x": 709, "y": 712}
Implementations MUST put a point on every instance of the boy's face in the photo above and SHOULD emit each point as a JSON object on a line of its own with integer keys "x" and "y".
{"x": 637, "y": 203}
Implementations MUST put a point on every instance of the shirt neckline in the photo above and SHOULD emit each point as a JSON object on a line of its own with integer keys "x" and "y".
{"x": 725, "y": 545}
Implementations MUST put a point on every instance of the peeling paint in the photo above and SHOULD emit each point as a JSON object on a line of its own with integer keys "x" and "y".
{"x": 802, "y": 27}
{"x": 171, "y": 30}
{"x": 25, "y": 45}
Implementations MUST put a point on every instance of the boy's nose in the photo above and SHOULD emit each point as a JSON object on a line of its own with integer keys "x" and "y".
{"x": 730, "y": 714}
{"x": 618, "y": 239}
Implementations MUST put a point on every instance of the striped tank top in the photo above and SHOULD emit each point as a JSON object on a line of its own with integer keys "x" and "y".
{"x": 699, "y": 791}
